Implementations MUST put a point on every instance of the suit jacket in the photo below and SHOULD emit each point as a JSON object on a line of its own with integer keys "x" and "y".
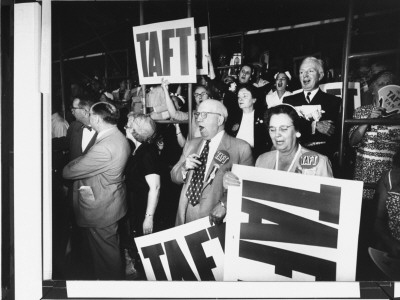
{"x": 330, "y": 104}
{"x": 262, "y": 141}
{"x": 73, "y": 141}
{"x": 239, "y": 152}
{"x": 99, "y": 189}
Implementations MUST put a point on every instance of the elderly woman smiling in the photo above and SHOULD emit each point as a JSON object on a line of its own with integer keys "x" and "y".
{"x": 289, "y": 156}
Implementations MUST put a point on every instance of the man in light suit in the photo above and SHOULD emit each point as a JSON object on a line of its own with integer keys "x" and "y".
{"x": 320, "y": 135}
{"x": 99, "y": 191}
{"x": 211, "y": 116}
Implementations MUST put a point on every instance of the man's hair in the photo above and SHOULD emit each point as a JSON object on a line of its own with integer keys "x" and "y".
{"x": 108, "y": 112}
{"x": 85, "y": 103}
{"x": 285, "y": 109}
{"x": 318, "y": 62}
{"x": 378, "y": 75}
{"x": 145, "y": 128}
{"x": 220, "y": 108}
{"x": 208, "y": 91}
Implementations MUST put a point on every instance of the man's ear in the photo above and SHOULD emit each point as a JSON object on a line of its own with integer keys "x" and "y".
{"x": 221, "y": 120}
{"x": 321, "y": 75}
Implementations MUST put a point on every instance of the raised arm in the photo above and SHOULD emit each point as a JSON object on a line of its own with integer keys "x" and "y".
{"x": 211, "y": 73}
{"x": 170, "y": 105}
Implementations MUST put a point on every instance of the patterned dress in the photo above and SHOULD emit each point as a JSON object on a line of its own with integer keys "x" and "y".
{"x": 375, "y": 150}
{"x": 393, "y": 209}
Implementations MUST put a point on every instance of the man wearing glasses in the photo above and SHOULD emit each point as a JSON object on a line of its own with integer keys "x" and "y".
{"x": 80, "y": 138}
{"x": 201, "y": 169}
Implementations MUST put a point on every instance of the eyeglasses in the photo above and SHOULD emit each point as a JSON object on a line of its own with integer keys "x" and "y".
{"x": 282, "y": 128}
{"x": 75, "y": 108}
{"x": 204, "y": 114}
{"x": 196, "y": 95}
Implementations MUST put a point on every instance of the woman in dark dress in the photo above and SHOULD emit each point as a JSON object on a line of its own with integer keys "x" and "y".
{"x": 142, "y": 177}
{"x": 249, "y": 124}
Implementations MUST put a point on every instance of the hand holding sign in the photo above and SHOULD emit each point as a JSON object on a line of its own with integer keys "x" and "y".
{"x": 326, "y": 127}
{"x": 230, "y": 179}
{"x": 377, "y": 112}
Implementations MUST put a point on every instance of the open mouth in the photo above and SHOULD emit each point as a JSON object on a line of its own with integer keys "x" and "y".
{"x": 306, "y": 81}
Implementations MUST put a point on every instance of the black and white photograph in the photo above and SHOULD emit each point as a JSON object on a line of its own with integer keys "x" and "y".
{"x": 209, "y": 149}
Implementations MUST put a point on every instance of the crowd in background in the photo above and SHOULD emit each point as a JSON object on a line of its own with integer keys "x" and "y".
{"x": 254, "y": 105}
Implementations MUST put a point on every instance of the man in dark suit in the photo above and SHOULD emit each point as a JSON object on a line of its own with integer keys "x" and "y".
{"x": 318, "y": 135}
{"x": 99, "y": 191}
{"x": 80, "y": 137}
{"x": 206, "y": 196}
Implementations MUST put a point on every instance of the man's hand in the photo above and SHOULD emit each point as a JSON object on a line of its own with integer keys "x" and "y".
{"x": 148, "y": 225}
{"x": 164, "y": 83}
{"x": 217, "y": 214}
{"x": 261, "y": 82}
{"x": 325, "y": 127}
{"x": 377, "y": 112}
{"x": 192, "y": 161}
{"x": 230, "y": 179}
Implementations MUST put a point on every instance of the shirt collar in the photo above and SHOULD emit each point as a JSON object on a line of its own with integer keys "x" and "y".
{"x": 313, "y": 92}
{"x": 214, "y": 142}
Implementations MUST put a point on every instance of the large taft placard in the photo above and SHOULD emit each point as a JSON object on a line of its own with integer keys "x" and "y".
{"x": 166, "y": 50}
{"x": 193, "y": 251}
{"x": 286, "y": 226}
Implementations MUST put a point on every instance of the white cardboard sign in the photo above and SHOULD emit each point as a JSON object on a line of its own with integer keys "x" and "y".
{"x": 389, "y": 98}
{"x": 201, "y": 50}
{"x": 166, "y": 50}
{"x": 190, "y": 252}
{"x": 284, "y": 226}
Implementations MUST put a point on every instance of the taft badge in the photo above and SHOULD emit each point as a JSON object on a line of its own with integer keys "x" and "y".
{"x": 308, "y": 163}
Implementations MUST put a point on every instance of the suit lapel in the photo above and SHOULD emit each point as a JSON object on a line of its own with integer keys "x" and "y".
{"x": 223, "y": 145}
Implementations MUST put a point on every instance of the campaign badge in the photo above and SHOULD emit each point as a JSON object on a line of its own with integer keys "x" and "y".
{"x": 309, "y": 162}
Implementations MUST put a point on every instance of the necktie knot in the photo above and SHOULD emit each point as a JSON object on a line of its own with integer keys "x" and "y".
{"x": 87, "y": 127}
{"x": 308, "y": 97}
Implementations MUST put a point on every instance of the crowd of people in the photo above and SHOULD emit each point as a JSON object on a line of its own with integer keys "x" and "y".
{"x": 122, "y": 174}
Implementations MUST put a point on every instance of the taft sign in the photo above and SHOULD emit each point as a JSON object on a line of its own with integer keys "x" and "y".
{"x": 389, "y": 98}
{"x": 280, "y": 226}
{"x": 335, "y": 88}
{"x": 193, "y": 251}
{"x": 201, "y": 50}
{"x": 284, "y": 226}
{"x": 166, "y": 50}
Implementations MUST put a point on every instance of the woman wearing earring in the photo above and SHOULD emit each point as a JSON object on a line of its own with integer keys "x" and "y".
{"x": 289, "y": 156}
{"x": 282, "y": 80}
